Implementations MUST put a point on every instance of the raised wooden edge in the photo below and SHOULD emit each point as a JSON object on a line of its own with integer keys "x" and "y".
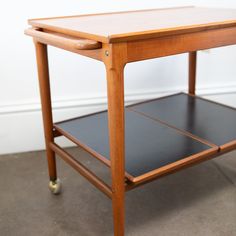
{"x": 131, "y": 185}
{"x": 175, "y": 165}
{"x": 228, "y": 146}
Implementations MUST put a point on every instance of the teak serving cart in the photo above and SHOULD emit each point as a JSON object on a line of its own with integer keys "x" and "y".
{"x": 145, "y": 141}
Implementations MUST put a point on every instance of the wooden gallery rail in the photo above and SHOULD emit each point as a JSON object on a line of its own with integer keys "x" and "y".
{"x": 133, "y": 141}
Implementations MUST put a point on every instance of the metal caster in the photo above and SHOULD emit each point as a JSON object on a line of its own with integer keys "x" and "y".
{"x": 55, "y": 186}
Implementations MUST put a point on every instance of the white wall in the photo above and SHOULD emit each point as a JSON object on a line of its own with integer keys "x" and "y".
{"x": 78, "y": 83}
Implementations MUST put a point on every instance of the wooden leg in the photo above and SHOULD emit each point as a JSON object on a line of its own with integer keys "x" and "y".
{"x": 192, "y": 72}
{"x": 44, "y": 84}
{"x": 115, "y": 88}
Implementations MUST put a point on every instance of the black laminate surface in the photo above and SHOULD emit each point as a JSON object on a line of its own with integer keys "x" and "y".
{"x": 148, "y": 143}
{"x": 208, "y": 120}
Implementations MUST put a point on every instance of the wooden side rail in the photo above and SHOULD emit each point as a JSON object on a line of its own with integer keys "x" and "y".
{"x": 63, "y": 41}
{"x": 91, "y": 177}
{"x": 130, "y": 186}
{"x": 180, "y": 43}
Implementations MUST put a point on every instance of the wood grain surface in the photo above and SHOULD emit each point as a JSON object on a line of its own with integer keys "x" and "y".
{"x": 133, "y": 25}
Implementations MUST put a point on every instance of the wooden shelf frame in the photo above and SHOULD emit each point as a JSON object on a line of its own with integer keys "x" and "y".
{"x": 74, "y": 133}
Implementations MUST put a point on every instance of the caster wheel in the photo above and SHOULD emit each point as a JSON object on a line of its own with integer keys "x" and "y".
{"x": 55, "y": 186}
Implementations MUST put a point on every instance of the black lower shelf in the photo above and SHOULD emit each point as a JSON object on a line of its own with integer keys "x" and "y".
{"x": 150, "y": 145}
{"x": 207, "y": 120}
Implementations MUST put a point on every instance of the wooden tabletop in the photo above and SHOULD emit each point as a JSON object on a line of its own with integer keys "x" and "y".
{"x": 133, "y": 25}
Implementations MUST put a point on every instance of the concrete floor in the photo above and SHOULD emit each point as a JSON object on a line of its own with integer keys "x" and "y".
{"x": 197, "y": 201}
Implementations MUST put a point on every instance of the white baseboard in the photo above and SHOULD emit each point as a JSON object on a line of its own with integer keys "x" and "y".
{"x": 100, "y": 100}
{"x": 21, "y": 123}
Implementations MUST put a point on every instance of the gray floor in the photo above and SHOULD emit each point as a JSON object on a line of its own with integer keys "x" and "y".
{"x": 197, "y": 201}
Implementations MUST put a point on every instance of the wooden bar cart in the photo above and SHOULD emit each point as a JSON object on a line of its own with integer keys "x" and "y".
{"x": 145, "y": 141}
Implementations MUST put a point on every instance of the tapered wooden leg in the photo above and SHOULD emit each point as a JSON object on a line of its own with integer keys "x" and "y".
{"x": 115, "y": 88}
{"x": 44, "y": 84}
{"x": 192, "y": 72}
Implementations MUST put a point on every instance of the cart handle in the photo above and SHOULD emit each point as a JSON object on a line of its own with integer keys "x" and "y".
{"x": 61, "y": 40}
